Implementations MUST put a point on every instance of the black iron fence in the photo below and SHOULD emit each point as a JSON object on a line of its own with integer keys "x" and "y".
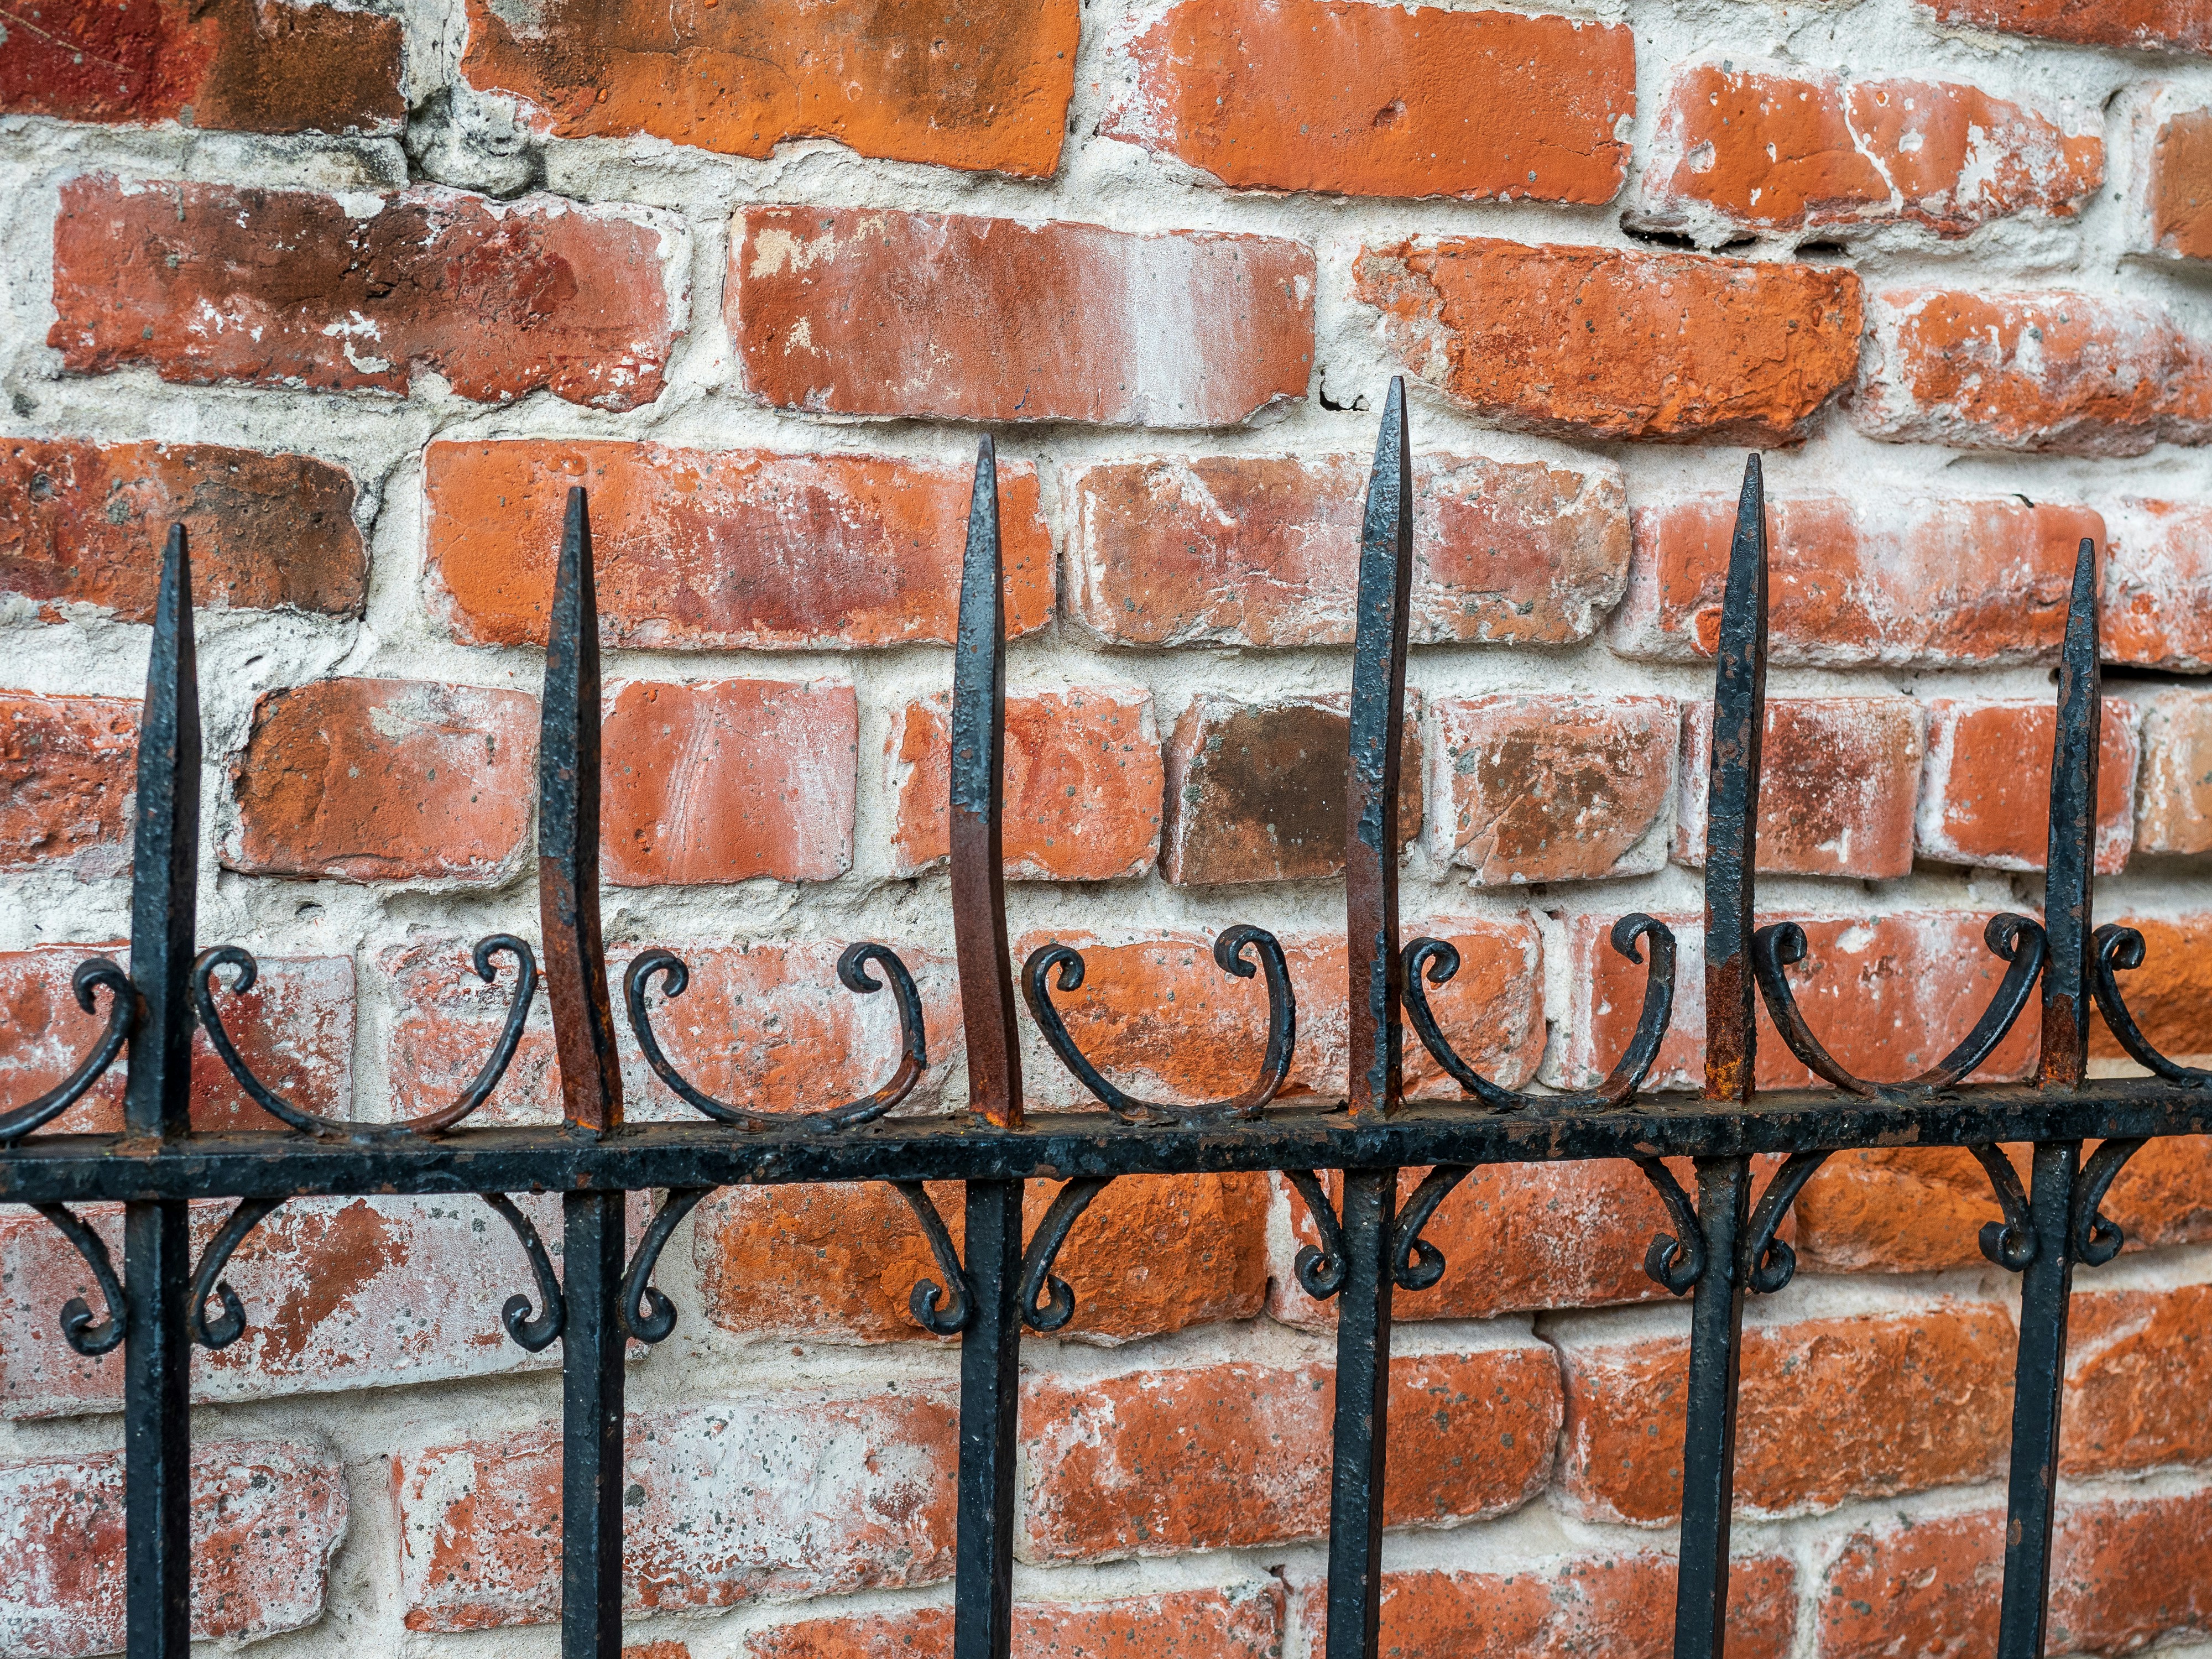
{"x": 1722, "y": 1245}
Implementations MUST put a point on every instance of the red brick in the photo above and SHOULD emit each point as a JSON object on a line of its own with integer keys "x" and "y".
{"x": 231, "y": 64}
{"x": 1264, "y": 550}
{"x": 2165, "y": 174}
{"x": 855, "y": 310}
{"x": 1779, "y": 148}
{"x": 728, "y": 780}
{"x": 1898, "y": 1209}
{"x": 1208, "y": 1044}
{"x": 1985, "y": 793}
{"x": 1836, "y": 785}
{"x": 321, "y": 783}
{"x": 1255, "y": 791}
{"x": 1861, "y": 579}
{"x": 1153, "y": 1254}
{"x": 805, "y": 1494}
{"x": 209, "y": 283}
{"x": 2149, "y": 25}
{"x": 83, "y": 524}
{"x": 2124, "y": 1574}
{"x": 983, "y": 87}
{"x": 339, "y": 1294}
{"x": 2138, "y": 1381}
{"x": 2158, "y": 586}
{"x": 2173, "y": 809}
{"x": 1599, "y": 342}
{"x": 1359, "y": 100}
{"x": 1533, "y": 788}
{"x": 1083, "y": 784}
{"x": 1888, "y": 996}
{"x": 1155, "y": 1463}
{"x": 267, "y": 1518}
{"x": 1831, "y": 1410}
{"x": 295, "y": 1029}
{"x": 1238, "y": 1621}
{"x": 2069, "y": 373}
{"x": 68, "y": 777}
{"x": 1617, "y": 1603}
{"x": 722, "y": 549}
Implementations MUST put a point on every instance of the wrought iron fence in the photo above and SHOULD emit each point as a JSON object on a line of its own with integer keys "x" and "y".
{"x": 1722, "y": 1247}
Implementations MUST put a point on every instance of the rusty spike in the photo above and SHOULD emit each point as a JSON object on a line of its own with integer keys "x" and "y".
{"x": 2067, "y": 918}
{"x": 1732, "y": 811}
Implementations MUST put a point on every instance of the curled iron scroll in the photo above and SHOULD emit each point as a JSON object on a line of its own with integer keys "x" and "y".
{"x": 648, "y": 1313}
{"x": 1770, "y": 1263}
{"x": 222, "y": 1332}
{"x": 1321, "y": 1271}
{"x": 1038, "y": 1280}
{"x": 77, "y": 1327}
{"x": 1434, "y": 961}
{"x": 478, "y": 1090}
{"x": 121, "y": 1015}
{"x": 1229, "y": 955}
{"x": 943, "y": 1310}
{"x": 853, "y": 974}
{"x": 534, "y": 1333}
{"x": 2011, "y": 1243}
{"x": 1676, "y": 1260}
{"x": 2097, "y": 1241}
{"x": 2116, "y": 945}
{"x": 1416, "y": 1264}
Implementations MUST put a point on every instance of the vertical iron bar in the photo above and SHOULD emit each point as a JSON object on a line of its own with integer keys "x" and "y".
{"x": 2046, "y": 1284}
{"x": 1731, "y": 1068}
{"x": 990, "y": 1346}
{"x": 1362, "y": 1427}
{"x": 591, "y": 1103}
{"x": 156, "y": 1105}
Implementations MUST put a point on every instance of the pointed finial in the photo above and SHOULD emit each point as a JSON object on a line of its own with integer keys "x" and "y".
{"x": 1732, "y": 804}
{"x": 2071, "y": 871}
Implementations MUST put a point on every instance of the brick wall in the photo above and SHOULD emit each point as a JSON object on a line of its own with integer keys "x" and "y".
{"x": 356, "y": 293}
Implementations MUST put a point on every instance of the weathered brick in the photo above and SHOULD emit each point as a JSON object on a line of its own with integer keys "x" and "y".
{"x": 322, "y": 780}
{"x": 2158, "y": 586}
{"x": 1153, "y": 1254}
{"x": 1264, "y": 550}
{"x": 1867, "y": 579}
{"x": 2069, "y": 374}
{"x": 230, "y": 63}
{"x": 1598, "y": 343}
{"x": 1155, "y": 1463}
{"x": 2122, "y": 1575}
{"x": 2138, "y": 1381}
{"x": 1083, "y": 784}
{"x": 2168, "y": 187}
{"x": 722, "y": 549}
{"x": 295, "y": 1029}
{"x": 1361, "y": 101}
{"x": 83, "y": 524}
{"x": 1255, "y": 791}
{"x": 861, "y": 312}
{"x": 1237, "y": 1621}
{"x": 1888, "y": 997}
{"x": 1615, "y": 1602}
{"x": 2145, "y": 25}
{"x": 803, "y": 1494}
{"x": 1533, "y": 788}
{"x": 339, "y": 1294}
{"x": 729, "y": 780}
{"x": 1779, "y": 147}
{"x": 1838, "y": 778}
{"x": 1898, "y": 1209}
{"x": 210, "y": 282}
{"x": 68, "y": 777}
{"x": 983, "y": 87}
{"x": 1830, "y": 1410}
{"x": 1986, "y": 789}
{"x": 267, "y": 1518}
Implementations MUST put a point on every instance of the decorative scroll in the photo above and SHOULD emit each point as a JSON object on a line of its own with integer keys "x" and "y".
{"x": 1038, "y": 1280}
{"x": 77, "y": 1328}
{"x": 222, "y": 1332}
{"x": 1769, "y": 1262}
{"x": 2095, "y": 1240}
{"x": 2011, "y": 1243}
{"x": 536, "y": 1333}
{"x": 944, "y": 1310}
{"x": 1676, "y": 1260}
{"x": 649, "y": 1314}
{"x": 121, "y": 1015}
{"x": 1415, "y": 1263}
{"x": 2116, "y": 945}
{"x": 1319, "y": 1271}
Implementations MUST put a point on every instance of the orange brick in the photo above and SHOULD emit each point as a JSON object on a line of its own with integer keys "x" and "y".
{"x": 994, "y": 94}
{"x": 2170, "y": 193}
{"x": 294, "y": 287}
{"x": 1264, "y": 550}
{"x": 2158, "y": 586}
{"x": 68, "y": 777}
{"x": 1083, "y": 784}
{"x": 1780, "y": 148}
{"x": 1533, "y": 788}
{"x": 722, "y": 549}
{"x": 1858, "y": 581}
{"x": 1830, "y": 1410}
{"x": 728, "y": 780}
{"x": 1597, "y": 343}
{"x": 859, "y": 311}
{"x": 326, "y": 763}
{"x": 2069, "y": 374}
{"x": 2145, "y": 25}
{"x": 1837, "y": 780}
{"x": 2138, "y": 1381}
{"x": 1240, "y": 1622}
{"x": 1155, "y": 1463}
{"x": 1153, "y": 1254}
{"x": 2174, "y": 811}
{"x": 1985, "y": 793}
{"x": 1357, "y": 100}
